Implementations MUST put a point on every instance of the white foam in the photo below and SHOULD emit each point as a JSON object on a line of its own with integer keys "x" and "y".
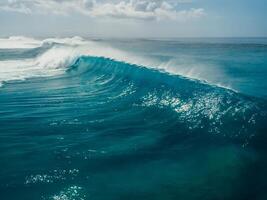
{"x": 51, "y": 63}
{"x": 62, "y": 52}
{"x": 18, "y": 42}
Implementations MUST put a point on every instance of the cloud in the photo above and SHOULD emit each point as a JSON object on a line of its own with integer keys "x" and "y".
{"x": 135, "y": 9}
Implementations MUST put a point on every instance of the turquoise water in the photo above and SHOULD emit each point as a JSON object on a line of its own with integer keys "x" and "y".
{"x": 133, "y": 119}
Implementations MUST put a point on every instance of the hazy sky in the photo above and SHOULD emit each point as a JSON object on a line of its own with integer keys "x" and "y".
{"x": 134, "y": 18}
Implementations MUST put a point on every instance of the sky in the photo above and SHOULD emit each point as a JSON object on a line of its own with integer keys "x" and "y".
{"x": 134, "y": 18}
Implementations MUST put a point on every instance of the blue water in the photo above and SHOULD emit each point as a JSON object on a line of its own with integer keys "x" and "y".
{"x": 133, "y": 119}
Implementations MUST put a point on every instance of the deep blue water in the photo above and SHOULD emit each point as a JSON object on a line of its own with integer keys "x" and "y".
{"x": 79, "y": 120}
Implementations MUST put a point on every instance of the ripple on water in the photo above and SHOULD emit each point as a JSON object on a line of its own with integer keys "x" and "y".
{"x": 51, "y": 177}
{"x": 70, "y": 193}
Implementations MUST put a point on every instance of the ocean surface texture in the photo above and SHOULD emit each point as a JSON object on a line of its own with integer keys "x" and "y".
{"x": 102, "y": 119}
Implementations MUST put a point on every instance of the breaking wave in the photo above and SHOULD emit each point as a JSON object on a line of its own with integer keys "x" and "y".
{"x": 197, "y": 105}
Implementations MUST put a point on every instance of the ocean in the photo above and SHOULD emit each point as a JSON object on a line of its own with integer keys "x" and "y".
{"x": 109, "y": 119}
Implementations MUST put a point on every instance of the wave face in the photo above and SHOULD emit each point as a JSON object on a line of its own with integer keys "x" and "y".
{"x": 78, "y": 121}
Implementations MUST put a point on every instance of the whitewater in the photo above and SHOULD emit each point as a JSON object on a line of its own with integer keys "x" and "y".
{"x": 53, "y": 56}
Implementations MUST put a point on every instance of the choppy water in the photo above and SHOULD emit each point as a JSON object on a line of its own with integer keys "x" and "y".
{"x": 133, "y": 119}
